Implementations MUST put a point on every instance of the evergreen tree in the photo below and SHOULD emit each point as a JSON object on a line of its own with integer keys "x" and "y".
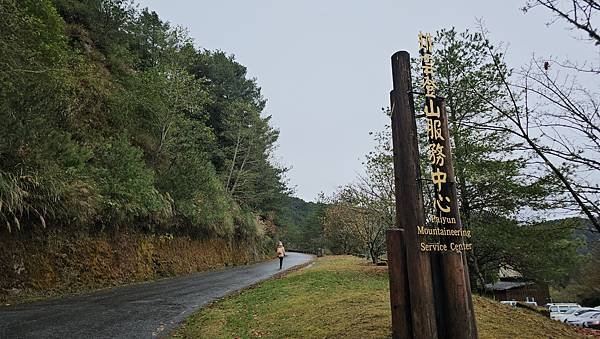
{"x": 501, "y": 194}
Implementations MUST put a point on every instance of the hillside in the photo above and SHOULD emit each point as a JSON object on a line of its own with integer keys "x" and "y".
{"x": 116, "y": 127}
{"x": 588, "y": 234}
{"x": 300, "y": 224}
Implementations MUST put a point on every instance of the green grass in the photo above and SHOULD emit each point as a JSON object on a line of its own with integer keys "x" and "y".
{"x": 340, "y": 297}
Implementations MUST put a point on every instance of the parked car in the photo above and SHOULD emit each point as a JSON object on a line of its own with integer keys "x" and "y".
{"x": 583, "y": 318}
{"x": 512, "y": 303}
{"x": 577, "y": 315}
{"x": 593, "y": 322}
{"x": 559, "y": 311}
{"x": 562, "y": 317}
{"x": 562, "y": 305}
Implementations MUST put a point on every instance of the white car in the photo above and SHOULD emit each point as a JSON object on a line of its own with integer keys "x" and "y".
{"x": 593, "y": 321}
{"x": 560, "y": 311}
{"x": 583, "y": 318}
{"x": 577, "y": 315}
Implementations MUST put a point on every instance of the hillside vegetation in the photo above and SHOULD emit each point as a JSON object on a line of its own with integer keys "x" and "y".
{"x": 114, "y": 122}
{"x": 112, "y": 118}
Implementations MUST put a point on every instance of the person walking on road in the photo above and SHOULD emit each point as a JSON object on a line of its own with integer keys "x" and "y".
{"x": 280, "y": 253}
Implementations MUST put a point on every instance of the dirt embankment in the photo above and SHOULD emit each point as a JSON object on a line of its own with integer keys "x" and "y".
{"x": 54, "y": 263}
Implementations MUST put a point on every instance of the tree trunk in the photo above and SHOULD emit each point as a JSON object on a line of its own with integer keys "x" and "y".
{"x": 374, "y": 256}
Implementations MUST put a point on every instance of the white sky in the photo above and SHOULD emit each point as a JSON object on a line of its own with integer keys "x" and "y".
{"x": 324, "y": 66}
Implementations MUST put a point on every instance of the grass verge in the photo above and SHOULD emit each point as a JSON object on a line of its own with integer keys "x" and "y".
{"x": 341, "y": 297}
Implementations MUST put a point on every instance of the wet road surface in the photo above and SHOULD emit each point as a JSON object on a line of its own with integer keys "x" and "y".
{"x": 136, "y": 311}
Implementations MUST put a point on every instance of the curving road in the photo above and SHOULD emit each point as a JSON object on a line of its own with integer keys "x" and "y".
{"x": 136, "y": 311}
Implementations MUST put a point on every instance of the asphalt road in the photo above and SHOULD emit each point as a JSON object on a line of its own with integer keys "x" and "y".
{"x": 136, "y": 311}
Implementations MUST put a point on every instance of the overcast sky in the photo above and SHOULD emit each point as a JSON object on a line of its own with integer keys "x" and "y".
{"x": 324, "y": 65}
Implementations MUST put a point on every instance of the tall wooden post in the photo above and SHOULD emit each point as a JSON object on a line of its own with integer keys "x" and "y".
{"x": 399, "y": 297}
{"x": 409, "y": 200}
{"x": 417, "y": 278}
{"x": 457, "y": 306}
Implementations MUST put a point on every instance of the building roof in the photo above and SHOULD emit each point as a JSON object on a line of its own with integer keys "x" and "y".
{"x": 508, "y": 272}
{"x": 507, "y": 285}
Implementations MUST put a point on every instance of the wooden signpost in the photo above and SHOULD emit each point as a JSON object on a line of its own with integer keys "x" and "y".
{"x": 429, "y": 281}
